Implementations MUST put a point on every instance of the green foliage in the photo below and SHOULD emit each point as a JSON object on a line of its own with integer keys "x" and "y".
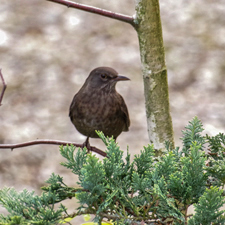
{"x": 74, "y": 162}
{"x": 26, "y": 208}
{"x": 208, "y": 208}
{"x": 57, "y": 186}
{"x": 192, "y": 134}
{"x": 188, "y": 182}
{"x": 216, "y": 157}
{"x": 150, "y": 188}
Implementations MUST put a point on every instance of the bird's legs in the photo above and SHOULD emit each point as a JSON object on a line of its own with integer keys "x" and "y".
{"x": 86, "y": 144}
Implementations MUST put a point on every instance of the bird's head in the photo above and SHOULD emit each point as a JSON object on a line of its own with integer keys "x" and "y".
{"x": 104, "y": 77}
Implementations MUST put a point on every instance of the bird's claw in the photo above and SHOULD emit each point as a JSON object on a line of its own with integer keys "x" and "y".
{"x": 87, "y": 145}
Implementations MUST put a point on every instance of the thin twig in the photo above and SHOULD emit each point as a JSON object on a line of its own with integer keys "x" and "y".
{"x": 4, "y": 87}
{"x": 50, "y": 142}
{"x": 95, "y": 10}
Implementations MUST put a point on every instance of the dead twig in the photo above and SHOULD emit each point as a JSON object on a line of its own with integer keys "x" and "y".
{"x": 4, "y": 87}
{"x": 95, "y": 10}
{"x": 50, "y": 142}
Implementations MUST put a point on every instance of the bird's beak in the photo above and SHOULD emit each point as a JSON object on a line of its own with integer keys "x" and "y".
{"x": 119, "y": 77}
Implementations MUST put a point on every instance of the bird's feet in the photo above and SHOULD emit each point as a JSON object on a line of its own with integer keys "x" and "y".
{"x": 87, "y": 145}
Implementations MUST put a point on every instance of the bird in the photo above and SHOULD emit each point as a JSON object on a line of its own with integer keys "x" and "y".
{"x": 97, "y": 106}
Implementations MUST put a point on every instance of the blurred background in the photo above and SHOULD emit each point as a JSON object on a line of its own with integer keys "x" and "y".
{"x": 47, "y": 51}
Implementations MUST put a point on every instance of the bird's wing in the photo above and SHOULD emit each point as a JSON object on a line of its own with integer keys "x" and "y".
{"x": 125, "y": 115}
{"x": 72, "y": 105}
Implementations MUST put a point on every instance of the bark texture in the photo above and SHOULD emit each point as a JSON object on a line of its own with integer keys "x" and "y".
{"x": 149, "y": 29}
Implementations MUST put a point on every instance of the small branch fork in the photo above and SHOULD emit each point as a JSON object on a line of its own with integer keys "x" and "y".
{"x": 4, "y": 87}
{"x": 51, "y": 142}
{"x": 95, "y": 10}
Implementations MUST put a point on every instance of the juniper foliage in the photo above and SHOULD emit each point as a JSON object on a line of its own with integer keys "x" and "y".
{"x": 216, "y": 159}
{"x": 27, "y": 208}
{"x": 153, "y": 189}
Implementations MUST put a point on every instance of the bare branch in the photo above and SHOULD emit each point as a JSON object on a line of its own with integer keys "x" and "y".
{"x": 4, "y": 87}
{"x": 50, "y": 142}
{"x": 95, "y": 10}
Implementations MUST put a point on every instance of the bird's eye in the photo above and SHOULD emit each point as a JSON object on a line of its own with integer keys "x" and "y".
{"x": 103, "y": 76}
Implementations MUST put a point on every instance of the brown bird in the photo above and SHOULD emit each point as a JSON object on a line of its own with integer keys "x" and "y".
{"x": 98, "y": 106}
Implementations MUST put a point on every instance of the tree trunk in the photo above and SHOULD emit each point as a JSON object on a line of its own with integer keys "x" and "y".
{"x": 148, "y": 26}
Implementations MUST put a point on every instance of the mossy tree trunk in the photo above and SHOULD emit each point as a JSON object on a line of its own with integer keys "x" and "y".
{"x": 149, "y": 29}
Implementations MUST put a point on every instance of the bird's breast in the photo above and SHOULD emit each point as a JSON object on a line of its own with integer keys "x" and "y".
{"x": 98, "y": 111}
